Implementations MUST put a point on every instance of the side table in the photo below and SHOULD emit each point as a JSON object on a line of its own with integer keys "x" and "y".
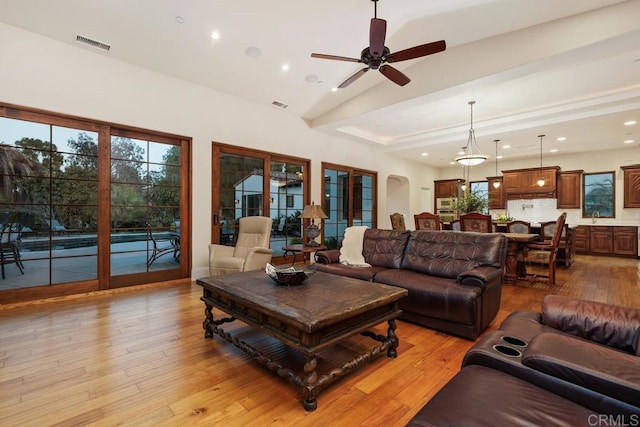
{"x": 305, "y": 250}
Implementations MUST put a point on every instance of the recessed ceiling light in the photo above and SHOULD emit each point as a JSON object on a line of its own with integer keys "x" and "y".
{"x": 553, "y": 150}
{"x": 461, "y": 152}
{"x": 334, "y": 89}
{"x": 499, "y": 157}
{"x": 630, "y": 123}
{"x": 285, "y": 67}
{"x": 215, "y": 35}
{"x": 179, "y": 19}
{"x": 506, "y": 146}
{"x": 629, "y": 141}
{"x": 562, "y": 138}
{"x": 424, "y": 154}
{"x": 252, "y": 52}
{"x": 452, "y": 163}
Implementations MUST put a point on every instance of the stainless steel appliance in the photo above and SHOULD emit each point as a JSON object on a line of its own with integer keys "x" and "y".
{"x": 445, "y": 208}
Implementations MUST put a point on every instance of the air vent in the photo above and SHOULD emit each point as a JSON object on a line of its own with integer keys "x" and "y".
{"x": 279, "y": 104}
{"x": 92, "y": 43}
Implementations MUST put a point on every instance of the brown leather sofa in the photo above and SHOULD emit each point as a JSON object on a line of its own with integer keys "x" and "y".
{"x": 575, "y": 363}
{"x": 454, "y": 279}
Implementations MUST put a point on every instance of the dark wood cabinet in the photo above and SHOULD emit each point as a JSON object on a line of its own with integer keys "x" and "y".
{"x": 581, "y": 237}
{"x": 601, "y": 240}
{"x": 496, "y": 195}
{"x": 523, "y": 183}
{"x": 568, "y": 189}
{"x": 447, "y": 188}
{"x": 631, "y": 186}
{"x": 606, "y": 240}
{"x": 625, "y": 241}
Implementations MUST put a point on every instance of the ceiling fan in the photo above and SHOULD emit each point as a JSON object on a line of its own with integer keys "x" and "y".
{"x": 376, "y": 55}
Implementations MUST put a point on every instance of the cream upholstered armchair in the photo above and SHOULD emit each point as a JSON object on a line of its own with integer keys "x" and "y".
{"x": 251, "y": 251}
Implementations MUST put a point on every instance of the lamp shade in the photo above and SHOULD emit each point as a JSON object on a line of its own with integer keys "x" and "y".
{"x": 469, "y": 158}
{"x": 313, "y": 211}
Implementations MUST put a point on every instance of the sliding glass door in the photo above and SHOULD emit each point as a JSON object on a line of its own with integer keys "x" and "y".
{"x": 349, "y": 199}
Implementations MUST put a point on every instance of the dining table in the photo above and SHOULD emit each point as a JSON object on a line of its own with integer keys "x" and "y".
{"x": 517, "y": 242}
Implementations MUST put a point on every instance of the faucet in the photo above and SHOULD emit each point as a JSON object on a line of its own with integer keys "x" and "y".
{"x": 594, "y": 216}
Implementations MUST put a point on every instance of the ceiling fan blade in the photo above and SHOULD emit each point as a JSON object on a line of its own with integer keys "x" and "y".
{"x": 377, "y": 34}
{"x": 334, "y": 57}
{"x": 353, "y": 78}
{"x": 394, "y": 75}
{"x": 417, "y": 51}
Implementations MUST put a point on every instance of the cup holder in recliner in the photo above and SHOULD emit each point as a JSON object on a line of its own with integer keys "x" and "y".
{"x": 507, "y": 351}
{"x": 514, "y": 341}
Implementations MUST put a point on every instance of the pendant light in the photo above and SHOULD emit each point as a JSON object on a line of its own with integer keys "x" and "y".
{"x": 541, "y": 179}
{"x": 496, "y": 183}
{"x": 470, "y": 159}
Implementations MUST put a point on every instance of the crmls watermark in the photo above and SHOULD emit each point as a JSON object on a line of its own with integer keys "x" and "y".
{"x": 603, "y": 420}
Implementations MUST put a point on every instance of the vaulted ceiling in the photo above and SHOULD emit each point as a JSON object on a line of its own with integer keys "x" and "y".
{"x": 567, "y": 68}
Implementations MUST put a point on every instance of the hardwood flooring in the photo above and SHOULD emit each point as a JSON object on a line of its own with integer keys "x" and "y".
{"x": 137, "y": 357}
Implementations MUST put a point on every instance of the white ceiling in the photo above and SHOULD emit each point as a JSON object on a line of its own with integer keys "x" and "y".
{"x": 561, "y": 68}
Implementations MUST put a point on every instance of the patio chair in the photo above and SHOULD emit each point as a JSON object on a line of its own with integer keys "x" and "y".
{"x": 9, "y": 241}
{"x": 162, "y": 246}
{"x": 251, "y": 251}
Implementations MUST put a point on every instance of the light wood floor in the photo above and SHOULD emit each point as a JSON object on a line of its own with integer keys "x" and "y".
{"x": 138, "y": 357}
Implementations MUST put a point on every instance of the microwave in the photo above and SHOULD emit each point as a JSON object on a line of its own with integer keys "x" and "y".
{"x": 445, "y": 203}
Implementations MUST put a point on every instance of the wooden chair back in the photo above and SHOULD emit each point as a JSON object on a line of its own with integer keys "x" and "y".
{"x": 427, "y": 221}
{"x": 397, "y": 221}
{"x": 523, "y": 227}
{"x": 477, "y": 222}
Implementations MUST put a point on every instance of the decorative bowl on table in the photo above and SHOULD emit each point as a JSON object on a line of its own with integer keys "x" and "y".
{"x": 289, "y": 276}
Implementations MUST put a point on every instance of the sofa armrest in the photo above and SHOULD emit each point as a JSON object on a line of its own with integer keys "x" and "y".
{"x": 592, "y": 366}
{"x": 483, "y": 277}
{"x": 606, "y": 324}
{"x": 329, "y": 256}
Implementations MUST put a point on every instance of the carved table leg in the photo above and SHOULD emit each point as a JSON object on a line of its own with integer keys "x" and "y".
{"x": 309, "y": 389}
{"x": 393, "y": 339}
{"x": 511, "y": 262}
{"x": 208, "y": 321}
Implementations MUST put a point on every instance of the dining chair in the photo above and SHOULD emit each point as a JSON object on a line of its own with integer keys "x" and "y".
{"x": 547, "y": 229}
{"x": 522, "y": 227}
{"x": 427, "y": 221}
{"x": 545, "y": 252}
{"x": 477, "y": 222}
{"x": 397, "y": 221}
{"x": 455, "y": 225}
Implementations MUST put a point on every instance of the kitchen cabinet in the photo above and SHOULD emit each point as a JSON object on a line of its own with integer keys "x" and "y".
{"x": 601, "y": 240}
{"x": 523, "y": 183}
{"x": 447, "y": 188}
{"x": 581, "y": 239}
{"x": 625, "y": 241}
{"x": 631, "y": 186}
{"x": 568, "y": 189}
{"x": 496, "y": 195}
{"x": 606, "y": 240}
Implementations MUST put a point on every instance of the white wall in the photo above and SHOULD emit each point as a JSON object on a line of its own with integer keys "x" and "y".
{"x": 39, "y": 72}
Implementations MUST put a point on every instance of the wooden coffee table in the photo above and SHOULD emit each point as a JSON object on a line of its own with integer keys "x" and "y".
{"x": 310, "y": 317}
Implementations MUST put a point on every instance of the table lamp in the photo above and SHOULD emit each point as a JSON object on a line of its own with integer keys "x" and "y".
{"x": 312, "y": 212}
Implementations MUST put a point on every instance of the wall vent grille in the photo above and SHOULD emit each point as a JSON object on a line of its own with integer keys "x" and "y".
{"x": 92, "y": 43}
{"x": 279, "y": 104}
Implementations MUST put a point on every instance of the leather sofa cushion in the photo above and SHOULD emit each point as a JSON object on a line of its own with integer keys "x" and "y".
{"x": 481, "y": 396}
{"x": 435, "y": 297}
{"x": 592, "y": 366}
{"x": 384, "y": 248}
{"x": 362, "y": 273}
{"x": 449, "y": 253}
{"x": 607, "y": 324}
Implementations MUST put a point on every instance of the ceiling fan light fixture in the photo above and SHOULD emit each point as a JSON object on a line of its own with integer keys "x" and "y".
{"x": 469, "y": 158}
